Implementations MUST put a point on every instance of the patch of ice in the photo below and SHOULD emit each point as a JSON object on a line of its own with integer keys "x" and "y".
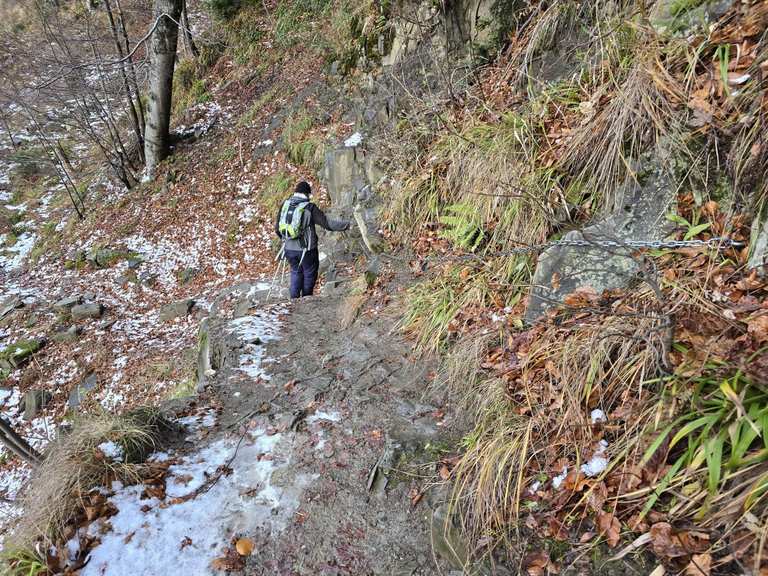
{"x": 355, "y": 140}
{"x": 327, "y": 416}
{"x": 253, "y": 331}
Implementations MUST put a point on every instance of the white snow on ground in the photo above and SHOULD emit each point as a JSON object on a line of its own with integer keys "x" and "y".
{"x": 38, "y": 433}
{"x": 150, "y": 537}
{"x": 327, "y": 416}
{"x": 15, "y": 255}
{"x": 598, "y": 463}
{"x": 558, "y": 480}
{"x": 253, "y": 331}
{"x": 355, "y": 140}
{"x": 597, "y": 415}
{"x": 112, "y": 451}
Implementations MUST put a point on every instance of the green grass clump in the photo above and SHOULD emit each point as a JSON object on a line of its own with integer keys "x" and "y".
{"x": 257, "y": 106}
{"x": 434, "y": 308}
{"x": 302, "y": 148}
{"x": 490, "y": 166}
{"x": 719, "y": 435}
{"x": 275, "y": 191}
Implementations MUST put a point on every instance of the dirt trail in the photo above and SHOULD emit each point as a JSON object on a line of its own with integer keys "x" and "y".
{"x": 353, "y": 404}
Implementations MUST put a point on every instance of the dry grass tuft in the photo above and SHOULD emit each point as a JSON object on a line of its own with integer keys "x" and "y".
{"x": 74, "y": 466}
{"x": 640, "y": 114}
{"x": 543, "y": 412}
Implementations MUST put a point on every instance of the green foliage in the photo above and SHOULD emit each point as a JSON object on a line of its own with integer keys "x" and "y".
{"x": 294, "y": 21}
{"x": 244, "y": 34}
{"x": 302, "y": 148}
{"x": 678, "y": 7}
{"x": 693, "y": 229}
{"x": 463, "y": 226}
{"x": 23, "y": 562}
{"x": 723, "y": 58}
{"x": 724, "y": 429}
{"x": 275, "y": 191}
{"x": 224, "y": 9}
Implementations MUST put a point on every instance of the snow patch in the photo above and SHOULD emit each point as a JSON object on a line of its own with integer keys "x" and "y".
{"x": 253, "y": 331}
{"x": 355, "y": 140}
{"x": 156, "y": 537}
{"x": 598, "y": 463}
{"x": 112, "y": 451}
{"x": 597, "y": 416}
{"x": 558, "y": 480}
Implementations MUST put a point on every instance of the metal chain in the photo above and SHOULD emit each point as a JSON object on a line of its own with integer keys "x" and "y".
{"x": 718, "y": 243}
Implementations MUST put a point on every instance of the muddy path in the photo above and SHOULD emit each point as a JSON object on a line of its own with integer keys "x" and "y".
{"x": 361, "y": 425}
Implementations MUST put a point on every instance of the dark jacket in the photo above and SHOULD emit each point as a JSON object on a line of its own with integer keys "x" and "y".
{"x": 313, "y": 216}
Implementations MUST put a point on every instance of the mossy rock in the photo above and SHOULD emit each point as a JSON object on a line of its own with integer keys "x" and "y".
{"x": 19, "y": 353}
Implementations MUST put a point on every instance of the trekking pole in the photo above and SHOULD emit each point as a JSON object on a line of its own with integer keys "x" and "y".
{"x": 281, "y": 262}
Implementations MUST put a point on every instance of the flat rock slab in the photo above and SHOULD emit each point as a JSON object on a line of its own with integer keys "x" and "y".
{"x": 66, "y": 304}
{"x": 80, "y": 391}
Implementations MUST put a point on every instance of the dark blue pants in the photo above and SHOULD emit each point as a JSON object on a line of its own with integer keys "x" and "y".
{"x": 304, "y": 275}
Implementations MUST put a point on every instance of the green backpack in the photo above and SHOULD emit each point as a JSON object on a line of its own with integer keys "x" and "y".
{"x": 291, "y": 225}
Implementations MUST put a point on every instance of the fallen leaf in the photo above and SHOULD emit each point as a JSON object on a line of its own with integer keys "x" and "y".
{"x": 535, "y": 563}
{"x": 758, "y": 328}
{"x": 415, "y": 495}
{"x": 700, "y": 565}
{"x": 610, "y": 527}
{"x": 244, "y": 546}
{"x": 186, "y": 542}
{"x": 444, "y": 472}
{"x": 670, "y": 543}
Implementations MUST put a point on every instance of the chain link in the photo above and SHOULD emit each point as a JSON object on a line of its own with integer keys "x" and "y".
{"x": 718, "y": 243}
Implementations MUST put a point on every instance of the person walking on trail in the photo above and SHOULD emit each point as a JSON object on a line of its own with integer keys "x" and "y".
{"x": 295, "y": 226}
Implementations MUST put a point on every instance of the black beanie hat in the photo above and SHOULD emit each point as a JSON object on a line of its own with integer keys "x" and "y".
{"x": 303, "y": 188}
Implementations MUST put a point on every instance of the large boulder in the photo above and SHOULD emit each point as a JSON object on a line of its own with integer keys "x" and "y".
{"x": 67, "y": 336}
{"x": 176, "y": 309}
{"x": 66, "y": 304}
{"x": 638, "y": 214}
{"x": 88, "y": 310}
{"x": 10, "y": 304}
{"x": 348, "y": 175}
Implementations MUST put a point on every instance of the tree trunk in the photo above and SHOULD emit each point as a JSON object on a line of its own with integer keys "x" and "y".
{"x": 130, "y": 104}
{"x": 189, "y": 42}
{"x": 17, "y": 444}
{"x": 132, "y": 70}
{"x": 162, "y": 62}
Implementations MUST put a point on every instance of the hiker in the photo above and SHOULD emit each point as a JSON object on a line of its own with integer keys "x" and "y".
{"x": 295, "y": 226}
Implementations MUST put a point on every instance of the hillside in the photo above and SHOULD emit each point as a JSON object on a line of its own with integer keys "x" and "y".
{"x": 540, "y": 348}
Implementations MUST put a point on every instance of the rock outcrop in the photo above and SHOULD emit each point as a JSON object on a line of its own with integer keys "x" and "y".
{"x": 638, "y": 215}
